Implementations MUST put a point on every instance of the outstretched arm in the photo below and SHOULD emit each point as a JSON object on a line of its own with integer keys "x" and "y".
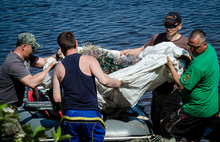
{"x": 42, "y": 61}
{"x": 102, "y": 78}
{"x": 176, "y": 76}
{"x": 37, "y": 79}
{"x": 135, "y": 51}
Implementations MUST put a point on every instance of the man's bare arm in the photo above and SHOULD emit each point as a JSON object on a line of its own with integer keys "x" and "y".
{"x": 102, "y": 78}
{"x": 135, "y": 51}
{"x": 176, "y": 76}
{"x": 42, "y": 61}
{"x": 57, "y": 78}
{"x": 37, "y": 79}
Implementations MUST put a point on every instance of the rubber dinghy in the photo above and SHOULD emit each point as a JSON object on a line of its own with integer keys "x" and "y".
{"x": 122, "y": 125}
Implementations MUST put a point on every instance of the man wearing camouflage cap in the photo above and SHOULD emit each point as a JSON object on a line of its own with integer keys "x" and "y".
{"x": 15, "y": 75}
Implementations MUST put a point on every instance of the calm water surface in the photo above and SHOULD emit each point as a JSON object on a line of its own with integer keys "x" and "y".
{"x": 111, "y": 24}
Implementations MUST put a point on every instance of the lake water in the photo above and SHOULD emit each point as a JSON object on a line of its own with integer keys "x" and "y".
{"x": 113, "y": 24}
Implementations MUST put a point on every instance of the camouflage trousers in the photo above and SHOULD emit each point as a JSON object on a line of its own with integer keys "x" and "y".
{"x": 162, "y": 106}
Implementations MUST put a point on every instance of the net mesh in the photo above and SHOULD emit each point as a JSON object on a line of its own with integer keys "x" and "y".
{"x": 108, "y": 62}
{"x": 152, "y": 138}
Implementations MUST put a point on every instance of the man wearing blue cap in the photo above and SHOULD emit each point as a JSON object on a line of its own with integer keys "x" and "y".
{"x": 167, "y": 92}
{"x": 15, "y": 75}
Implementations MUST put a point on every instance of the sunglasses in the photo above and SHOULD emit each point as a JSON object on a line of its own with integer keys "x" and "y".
{"x": 32, "y": 46}
{"x": 170, "y": 26}
{"x": 195, "y": 47}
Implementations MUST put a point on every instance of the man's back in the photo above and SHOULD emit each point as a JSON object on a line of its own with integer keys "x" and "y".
{"x": 79, "y": 88}
{"x": 76, "y": 74}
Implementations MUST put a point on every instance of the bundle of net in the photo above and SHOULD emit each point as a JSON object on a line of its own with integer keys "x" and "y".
{"x": 106, "y": 59}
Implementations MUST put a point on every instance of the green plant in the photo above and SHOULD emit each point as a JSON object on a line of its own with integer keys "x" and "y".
{"x": 38, "y": 133}
{"x": 33, "y": 136}
{"x": 5, "y": 115}
{"x": 57, "y": 136}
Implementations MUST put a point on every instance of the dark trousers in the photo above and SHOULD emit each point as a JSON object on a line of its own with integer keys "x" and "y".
{"x": 163, "y": 105}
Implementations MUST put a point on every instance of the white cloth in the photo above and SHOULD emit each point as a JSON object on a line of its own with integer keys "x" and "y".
{"x": 137, "y": 79}
{"x": 48, "y": 81}
{"x": 142, "y": 77}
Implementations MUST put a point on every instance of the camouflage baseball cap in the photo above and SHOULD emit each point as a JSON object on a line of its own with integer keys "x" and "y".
{"x": 28, "y": 38}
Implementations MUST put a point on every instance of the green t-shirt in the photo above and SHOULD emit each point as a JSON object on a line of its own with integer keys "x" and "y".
{"x": 200, "y": 98}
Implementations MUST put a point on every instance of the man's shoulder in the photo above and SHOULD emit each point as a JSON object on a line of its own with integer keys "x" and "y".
{"x": 182, "y": 40}
{"x": 210, "y": 47}
{"x": 33, "y": 58}
{"x": 12, "y": 58}
{"x": 14, "y": 66}
{"x": 59, "y": 69}
{"x": 160, "y": 35}
{"x": 158, "y": 38}
{"x": 88, "y": 58}
{"x": 11, "y": 55}
{"x": 183, "y": 37}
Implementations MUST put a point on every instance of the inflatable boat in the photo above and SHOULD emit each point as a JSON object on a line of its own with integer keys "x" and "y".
{"x": 122, "y": 125}
{"x": 128, "y": 120}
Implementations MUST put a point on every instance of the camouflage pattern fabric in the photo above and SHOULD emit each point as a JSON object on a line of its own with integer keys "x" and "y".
{"x": 28, "y": 38}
